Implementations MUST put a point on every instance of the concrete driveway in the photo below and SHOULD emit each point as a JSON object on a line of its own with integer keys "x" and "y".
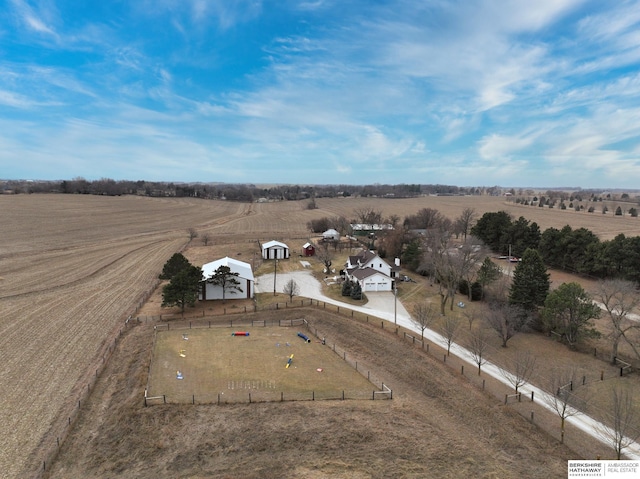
{"x": 379, "y": 304}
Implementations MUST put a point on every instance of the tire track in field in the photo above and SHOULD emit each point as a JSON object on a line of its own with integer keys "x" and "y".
{"x": 80, "y": 279}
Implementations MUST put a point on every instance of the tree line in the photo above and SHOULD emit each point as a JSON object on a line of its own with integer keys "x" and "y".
{"x": 577, "y": 251}
{"x": 247, "y": 192}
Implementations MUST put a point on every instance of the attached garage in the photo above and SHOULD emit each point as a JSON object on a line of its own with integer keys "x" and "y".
{"x": 371, "y": 280}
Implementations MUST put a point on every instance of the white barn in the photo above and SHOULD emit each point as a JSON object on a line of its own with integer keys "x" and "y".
{"x": 245, "y": 276}
{"x": 275, "y": 250}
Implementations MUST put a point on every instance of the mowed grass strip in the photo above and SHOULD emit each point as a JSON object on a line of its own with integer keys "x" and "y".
{"x": 218, "y": 366}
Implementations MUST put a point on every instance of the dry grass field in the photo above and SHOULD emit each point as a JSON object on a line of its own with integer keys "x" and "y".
{"x": 73, "y": 268}
{"x": 216, "y": 366}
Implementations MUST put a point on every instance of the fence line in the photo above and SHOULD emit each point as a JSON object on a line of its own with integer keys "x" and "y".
{"x": 267, "y": 396}
{"x": 62, "y": 425}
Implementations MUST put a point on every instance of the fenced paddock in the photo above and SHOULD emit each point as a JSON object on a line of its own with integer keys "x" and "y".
{"x": 201, "y": 364}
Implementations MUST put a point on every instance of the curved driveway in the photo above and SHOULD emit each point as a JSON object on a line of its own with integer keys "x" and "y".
{"x": 382, "y": 305}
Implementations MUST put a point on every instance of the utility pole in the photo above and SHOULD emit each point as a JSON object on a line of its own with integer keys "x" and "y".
{"x": 275, "y": 266}
{"x": 395, "y": 303}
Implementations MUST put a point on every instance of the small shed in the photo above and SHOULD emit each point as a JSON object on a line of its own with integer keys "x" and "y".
{"x": 275, "y": 250}
{"x": 331, "y": 235}
{"x": 308, "y": 249}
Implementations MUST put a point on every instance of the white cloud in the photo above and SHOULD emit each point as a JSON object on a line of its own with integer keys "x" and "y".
{"x": 498, "y": 147}
{"x": 34, "y": 20}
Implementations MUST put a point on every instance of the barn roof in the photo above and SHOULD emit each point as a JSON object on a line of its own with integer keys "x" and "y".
{"x": 243, "y": 269}
{"x": 272, "y": 244}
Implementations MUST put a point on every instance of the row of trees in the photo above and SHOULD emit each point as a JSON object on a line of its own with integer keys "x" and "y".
{"x": 573, "y": 250}
{"x": 236, "y": 192}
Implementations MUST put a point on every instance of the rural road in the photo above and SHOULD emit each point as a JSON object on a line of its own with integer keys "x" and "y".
{"x": 382, "y": 305}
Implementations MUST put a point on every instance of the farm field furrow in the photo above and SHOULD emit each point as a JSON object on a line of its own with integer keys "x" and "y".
{"x": 63, "y": 269}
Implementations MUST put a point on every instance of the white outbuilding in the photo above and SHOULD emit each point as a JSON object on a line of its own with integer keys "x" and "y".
{"x": 331, "y": 235}
{"x": 274, "y": 250}
{"x": 244, "y": 276}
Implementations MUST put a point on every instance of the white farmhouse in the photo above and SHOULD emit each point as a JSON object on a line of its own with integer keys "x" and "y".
{"x": 245, "y": 276}
{"x": 372, "y": 272}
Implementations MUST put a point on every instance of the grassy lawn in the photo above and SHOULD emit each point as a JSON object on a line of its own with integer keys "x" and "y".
{"x": 203, "y": 365}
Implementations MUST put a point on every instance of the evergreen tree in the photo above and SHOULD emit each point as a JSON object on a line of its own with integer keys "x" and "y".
{"x": 347, "y": 286}
{"x": 356, "y": 291}
{"x": 412, "y": 255}
{"x": 226, "y": 279}
{"x": 487, "y": 274}
{"x": 183, "y": 288}
{"x": 174, "y": 265}
{"x": 530, "y": 285}
{"x": 568, "y": 311}
{"x": 492, "y": 229}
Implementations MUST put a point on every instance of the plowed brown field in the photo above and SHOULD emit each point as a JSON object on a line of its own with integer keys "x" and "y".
{"x": 72, "y": 268}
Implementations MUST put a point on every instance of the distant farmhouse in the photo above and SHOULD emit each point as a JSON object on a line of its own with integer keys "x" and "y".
{"x": 245, "y": 277}
{"x": 362, "y": 229}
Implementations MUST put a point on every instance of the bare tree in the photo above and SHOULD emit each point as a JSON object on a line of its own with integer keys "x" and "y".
{"x": 478, "y": 347}
{"x": 466, "y": 220}
{"x": 368, "y": 216}
{"x": 523, "y": 366}
{"x": 205, "y": 238}
{"x": 340, "y": 224}
{"x": 621, "y": 426}
{"x": 291, "y": 289}
{"x": 619, "y": 298}
{"x": 449, "y": 328}
{"x": 441, "y": 262}
{"x": 423, "y": 315}
{"x": 561, "y": 396}
{"x": 471, "y": 316}
{"x": 325, "y": 256}
{"x": 192, "y": 233}
{"x": 469, "y": 260}
{"x": 507, "y": 320}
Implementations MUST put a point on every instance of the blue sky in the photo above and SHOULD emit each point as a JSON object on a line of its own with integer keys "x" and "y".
{"x": 463, "y": 92}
